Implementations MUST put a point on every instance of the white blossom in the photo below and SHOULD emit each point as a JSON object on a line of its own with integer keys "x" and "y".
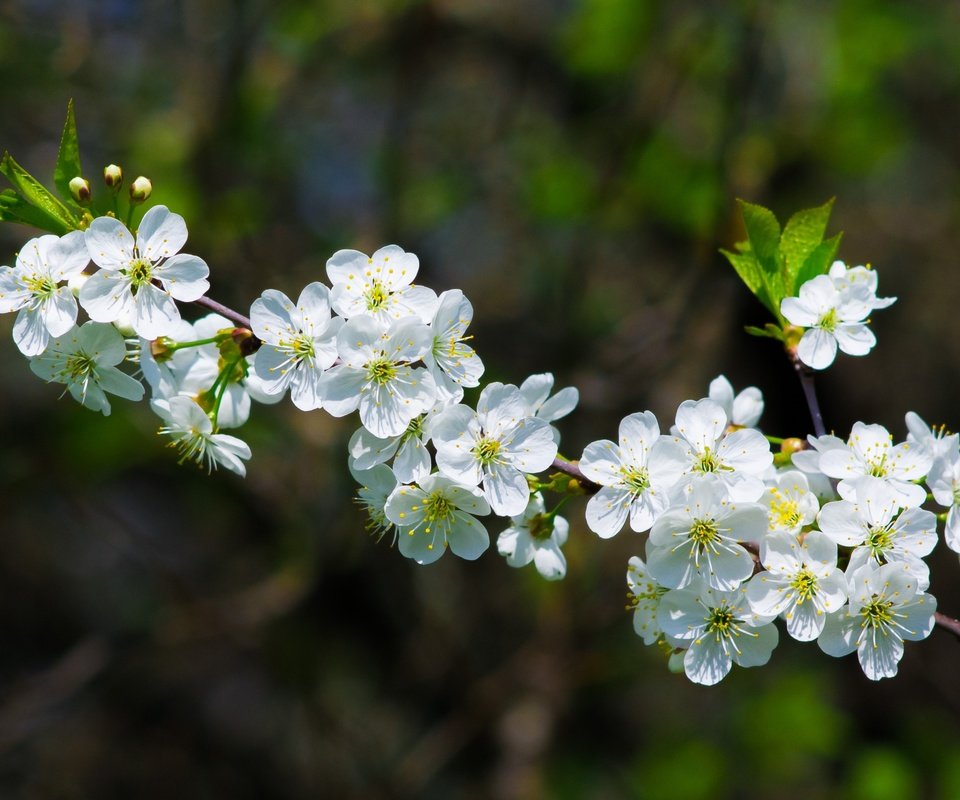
{"x": 85, "y": 359}
{"x": 192, "y": 435}
{"x": 833, "y": 318}
{"x": 35, "y": 287}
{"x": 636, "y": 475}
{"x": 124, "y": 288}
{"x": 743, "y": 410}
{"x": 886, "y": 608}
{"x": 436, "y": 513}
{"x": 536, "y": 536}
{"x": 299, "y": 342}
{"x": 718, "y": 629}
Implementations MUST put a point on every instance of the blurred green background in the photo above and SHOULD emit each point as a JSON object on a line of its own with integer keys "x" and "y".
{"x": 572, "y": 165}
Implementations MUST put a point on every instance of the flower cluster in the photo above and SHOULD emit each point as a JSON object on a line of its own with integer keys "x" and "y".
{"x": 737, "y": 540}
{"x": 829, "y": 536}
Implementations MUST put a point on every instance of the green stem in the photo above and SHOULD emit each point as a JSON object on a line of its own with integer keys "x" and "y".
{"x": 198, "y": 342}
{"x": 220, "y": 387}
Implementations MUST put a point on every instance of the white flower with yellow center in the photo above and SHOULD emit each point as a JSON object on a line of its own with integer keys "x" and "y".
{"x": 496, "y": 444}
{"x": 801, "y": 582}
{"x": 193, "y": 436}
{"x": 377, "y": 375}
{"x": 47, "y": 308}
{"x": 833, "y": 319}
{"x": 536, "y": 536}
{"x": 789, "y": 501}
{"x": 737, "y": 458}
{"x": 718, "y": 629}
{"x": 376, "y": 485}
{"x": 878, "y": 534}
{"x": 643, "y": 597}
{"x": 865, "y": 278}
{"x": 870, "y": 452}
{"x": 699, "y": 536}
{"x": 299, "y": 342}
{"x": 379, "y": 285}
{"x": 85, "y": 359}
{"x": 636, "y": 475}
{"x": 453, "y": 363}
{"x": 436, "y": 513}
{"x": 125, "y": 287}
{"x": 886, "y": 609}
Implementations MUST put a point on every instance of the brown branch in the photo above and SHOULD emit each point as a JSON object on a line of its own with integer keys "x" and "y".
{"x": 947, "y": 623}
{"x": 229, "y": 313}
{"x": 570, "y": 468}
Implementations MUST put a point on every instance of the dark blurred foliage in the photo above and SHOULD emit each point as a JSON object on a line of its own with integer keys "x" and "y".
{"x": 572, "y": 166}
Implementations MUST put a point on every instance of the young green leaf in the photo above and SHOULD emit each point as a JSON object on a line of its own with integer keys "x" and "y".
{"x": 747, "y": 268}
{"x": 818, "y": 261}
{"x": 763, "y": 230}
{"x": 68, "y": 156}
{"x": 36, "y": 194}
{"x": 13, "y": 208}
{"x": 802, "y": 235}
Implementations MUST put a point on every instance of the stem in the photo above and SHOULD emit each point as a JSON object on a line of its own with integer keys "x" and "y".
{"x": 198, "y": 342}
{"x": 810, "y": 393}
{"x": 571, "y": 468}
{"x": 229, "y": 313}
{"x": 773, "y": 439}
{"x": 947, "y": 623}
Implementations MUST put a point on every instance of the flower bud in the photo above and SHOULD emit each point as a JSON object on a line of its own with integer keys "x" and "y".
{"x": 140, "y": 189}
{"x": 113, "y": 177}
{"x": 792, "y": 445}
{"x": 80, "y": 190}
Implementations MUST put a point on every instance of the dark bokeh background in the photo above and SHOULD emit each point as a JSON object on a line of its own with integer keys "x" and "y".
{"x": 572, "y": 166}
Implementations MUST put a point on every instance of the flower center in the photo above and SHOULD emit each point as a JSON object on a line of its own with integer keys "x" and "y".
{"x": 877, "y": 614}
{"x": 878, "y": 467}
{"x": 636, "y": 478}
{"x": 437, "y": 508}
{"x": 376, "y": 296}
{"x": 722, "y": 622}
{"x": 487, "y": 451}
{"x": 707, "y": 461}
{"x": 79, "y": 365}
{"x": 381, "y": 371}
{"x": 804, "y": 584}
{"x": 828, "y": 321}
{"x": 40, "y": 286}
{"x": 540, "y": 526}
{"x": 879, "y": 540}
{"x": 415, "y": 428}
{"x": 302, "y": 347}
{"x": 140, "y": 272}
{"x": 704, "y": 532}
{"x": 784, "y": 512}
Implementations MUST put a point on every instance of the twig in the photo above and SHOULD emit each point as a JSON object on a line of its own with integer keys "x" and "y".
{"x": 571, "y": 468}
{"x": 947, "y": 623}
{"x": 229, "y": 313}
{"x": 810, "y": 393}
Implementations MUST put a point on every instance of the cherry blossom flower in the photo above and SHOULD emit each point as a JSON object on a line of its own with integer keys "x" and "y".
{"x": 124, "y": 286}
{"x": 35, "y": 288}
{"x": 833, "y": 319}
{"x": 536, "y": 536}
{"x": 85, "y": 359}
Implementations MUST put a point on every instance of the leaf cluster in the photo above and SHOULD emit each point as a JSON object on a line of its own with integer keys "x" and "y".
{"x": 775, "y": 263}
{"x": 31, "y": 203}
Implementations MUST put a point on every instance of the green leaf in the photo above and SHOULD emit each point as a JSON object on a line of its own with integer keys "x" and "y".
{"x": 68, "y": 157}
{"x": 819, "y": 260}
{"x": 37, "y": 194}
{"x": 13, "y": 208}
{"x": 802, "y": 235}
{"x": 763, "y": 230}
{"x": 747, "y": 268}
{"x": 769, "y": 331}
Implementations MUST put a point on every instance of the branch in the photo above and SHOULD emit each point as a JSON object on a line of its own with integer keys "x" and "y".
{"x": 570, "y": 468}
{"x": 810, "y": 393}
{"x": 229, "y": 313}
{"x": 947, "y": 623}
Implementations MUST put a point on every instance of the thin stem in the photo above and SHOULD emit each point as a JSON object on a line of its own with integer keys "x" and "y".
{"x": 947, "y": 623}
{"x": 229, "y": 313}
{"x": 570, "y": 468}
{"x": 810, "y": 393}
